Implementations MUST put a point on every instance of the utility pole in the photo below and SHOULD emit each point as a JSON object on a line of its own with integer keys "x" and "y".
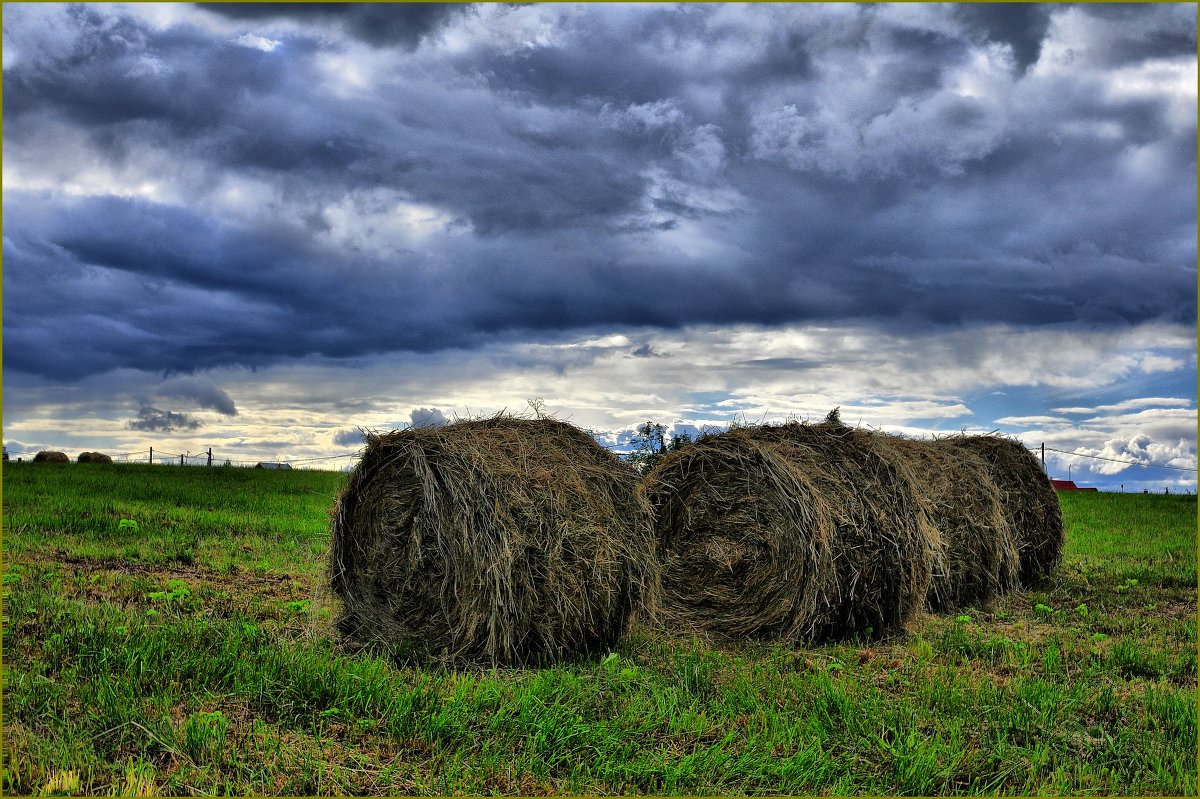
{"x": 1043, "y": 456}
{"x": 210, "y": 456}
{"x": 152, "y": 456}
{"x": 181, "y": 459}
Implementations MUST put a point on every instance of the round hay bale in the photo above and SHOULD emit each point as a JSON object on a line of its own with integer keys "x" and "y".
{"x": 498, "y": 541}
{"x": 744, "y": 539}
{"x": 978, "y": 559}
{"x": 93, "y": 457}
{"x": 50, "y": 456}
{"x": 1029, "y": 501}
{"x": 807, "y": 532}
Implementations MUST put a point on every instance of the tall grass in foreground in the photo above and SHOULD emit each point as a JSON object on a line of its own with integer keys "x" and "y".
{"x": 130, "y": 671}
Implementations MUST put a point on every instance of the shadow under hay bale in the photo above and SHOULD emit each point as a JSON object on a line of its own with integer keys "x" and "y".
{"x": 93, "y": 457}
{"x": 979, "y": 558}
{"x": 498, "y": 541}
{"x": 801, "y": 532}
{"x": 1030, "y": 504}
{"x": 49, "y": 456}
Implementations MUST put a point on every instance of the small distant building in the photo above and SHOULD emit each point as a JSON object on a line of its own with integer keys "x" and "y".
{"x": 1069, "y": 485}
{"x": 270, "y": 465}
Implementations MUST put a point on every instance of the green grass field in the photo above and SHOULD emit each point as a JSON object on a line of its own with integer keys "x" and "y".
{"x": 165, "y": 632}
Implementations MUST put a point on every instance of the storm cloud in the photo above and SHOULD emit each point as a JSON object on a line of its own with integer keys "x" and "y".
{"x": 357, "y": 216}
{"x": 377, "y": 25}
{"x": 203, "y": 392}
{"x": 244, "y": 185}
{"x": 155, "y": 420}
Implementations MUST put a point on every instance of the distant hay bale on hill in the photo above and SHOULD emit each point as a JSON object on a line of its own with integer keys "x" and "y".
{"x": 979, "y": 558}
{"x": 493, "y": 541}
{"x": 50, "y": 456}
{"x": 803, "y": 532}
{"x": 93, "y": 457}
{"x": 1030, "y": 504}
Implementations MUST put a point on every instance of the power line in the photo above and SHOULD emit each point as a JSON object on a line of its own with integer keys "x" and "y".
{"x": 1127, "y": 463}
{"x": 326, "y": 458}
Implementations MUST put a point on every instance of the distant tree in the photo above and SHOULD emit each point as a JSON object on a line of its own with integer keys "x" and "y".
{"x": 650, "y": 443}
{"x": 679, "y": 441}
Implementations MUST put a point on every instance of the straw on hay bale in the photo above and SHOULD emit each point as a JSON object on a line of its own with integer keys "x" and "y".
{"x": 1030, "y": 505}
{"x": 803, "y": 532}
{"x": 744, "y": 538}
{"x": 979, "y": 558}
{"x": 501, "y": 541}
{"x": 93, "y": 457}
{"x": 50, "y": 456}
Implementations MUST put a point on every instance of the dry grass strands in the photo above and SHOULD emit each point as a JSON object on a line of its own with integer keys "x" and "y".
{"x": 497, "y": 541}
{"x": 804, "y": 532}
{"x": 1030, "y": 505}
{"x": 93, "y": 457}
{"x": 979, "y": 558}
{"x": 50, "y": 456}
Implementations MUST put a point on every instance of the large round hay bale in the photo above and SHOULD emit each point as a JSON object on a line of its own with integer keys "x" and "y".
{"x": 744, "y": 538}
{"x": 50, "y": 456}
{"x": 978, "y": 559}
{"x": 93, "y": 457}
{"x": 496, "y": 541}
{"x": 1029, "y": 502}
{"x": 807, "y": 532}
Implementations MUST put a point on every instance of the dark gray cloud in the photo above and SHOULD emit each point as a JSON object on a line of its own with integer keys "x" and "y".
{"x": 155, "y": 420}
{"x": 349, "y": 438}
{"x": 202, "y": 391}
{"x": 362, "y": 179}
{"x": 646, "y": 350}
{"x": 1126, "y": 35}
{"x": 1021, "y": 26}
{"x": 377, "y": 25}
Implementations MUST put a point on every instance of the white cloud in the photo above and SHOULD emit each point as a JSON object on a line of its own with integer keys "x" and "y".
{"x": 427, "y": 417}
{"x": 257, "y": 42}
{"x": 1127, "y": 453}
{"x": 1025, "y": 421}
{"x": 1125, "y": 405}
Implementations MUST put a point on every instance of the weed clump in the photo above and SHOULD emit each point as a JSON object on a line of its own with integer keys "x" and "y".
{"x": 499, "y": 541}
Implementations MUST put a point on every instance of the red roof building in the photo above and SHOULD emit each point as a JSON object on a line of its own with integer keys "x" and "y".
{"x": 1068, "y": 485}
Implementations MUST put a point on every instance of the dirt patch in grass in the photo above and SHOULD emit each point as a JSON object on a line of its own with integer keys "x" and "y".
{"x": 91, "y": 565}
{"x": 295, "y": 607}
{"x": 1178, "y": 610}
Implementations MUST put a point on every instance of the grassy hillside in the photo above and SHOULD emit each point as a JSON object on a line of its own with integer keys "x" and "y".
{"x": 165, "y": 631}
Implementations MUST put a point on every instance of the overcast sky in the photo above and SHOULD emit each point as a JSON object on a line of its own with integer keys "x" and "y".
{"x": 258, "y": 228}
